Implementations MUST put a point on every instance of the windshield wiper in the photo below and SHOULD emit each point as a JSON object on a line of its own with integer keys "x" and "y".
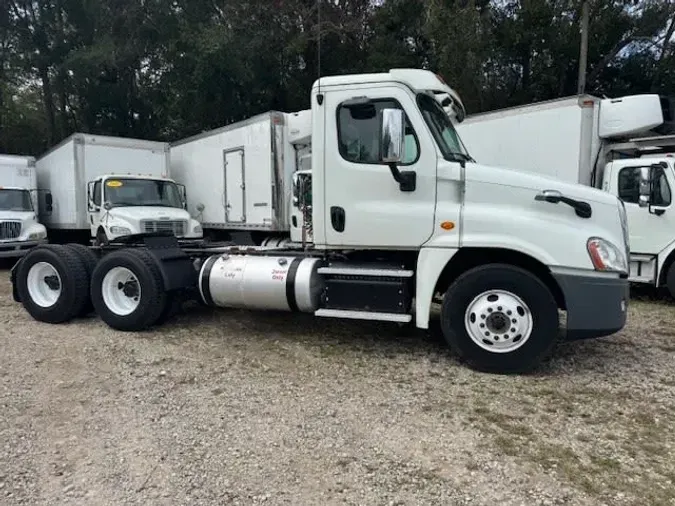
{"x": 461, "y": 157}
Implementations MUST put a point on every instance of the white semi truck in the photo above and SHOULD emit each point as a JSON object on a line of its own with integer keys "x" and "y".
{"x": 105, "y": 188}
{"x": 380, "y": 232}
{"x": 616, "y": 144}
{"x": 20, "y": 229}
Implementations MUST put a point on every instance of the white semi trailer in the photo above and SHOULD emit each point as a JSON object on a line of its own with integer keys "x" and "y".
{"x": 20, "y": 229}
{"x": 105, "y": 188}
{"x": 613, "y": 144}
{"x": 379, "y": 232}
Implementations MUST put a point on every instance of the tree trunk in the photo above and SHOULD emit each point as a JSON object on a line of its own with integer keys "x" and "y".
{"x": 48, "y": 101}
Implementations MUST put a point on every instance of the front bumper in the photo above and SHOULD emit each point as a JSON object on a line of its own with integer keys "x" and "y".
{"x": 15, "y": 249}
{"x": 596, "y": 306}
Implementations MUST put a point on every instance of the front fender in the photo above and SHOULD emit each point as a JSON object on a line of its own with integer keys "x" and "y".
{"x": 430, "y": 265}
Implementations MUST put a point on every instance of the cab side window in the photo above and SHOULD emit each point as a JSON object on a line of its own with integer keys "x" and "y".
{"x": 97, "y": 193}
{"x": 629, "y": 187}
{"x": 358, "y": 132}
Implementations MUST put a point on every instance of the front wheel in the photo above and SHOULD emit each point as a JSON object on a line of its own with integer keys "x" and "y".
{"x": 500, "y": 318}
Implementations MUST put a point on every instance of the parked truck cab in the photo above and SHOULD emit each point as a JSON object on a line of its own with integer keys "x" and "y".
{"x": 120, "y": 205}
{"x": 646, "y": 186}
{"x": 20, "y": 229}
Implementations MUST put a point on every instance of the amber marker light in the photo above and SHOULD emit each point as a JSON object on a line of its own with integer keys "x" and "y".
{"x": 447, "y": 225}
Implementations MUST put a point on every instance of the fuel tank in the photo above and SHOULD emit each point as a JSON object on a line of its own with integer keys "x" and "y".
{"x": 283, "y": 283}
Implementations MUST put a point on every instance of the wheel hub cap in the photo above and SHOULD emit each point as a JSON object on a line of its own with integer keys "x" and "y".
{"x": 498, "y": 321}
{"x": 44, "y": 284}
{"x": 121, "y": 291}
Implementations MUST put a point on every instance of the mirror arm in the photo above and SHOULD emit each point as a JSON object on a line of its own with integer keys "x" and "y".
{"x": 395, "y": 173}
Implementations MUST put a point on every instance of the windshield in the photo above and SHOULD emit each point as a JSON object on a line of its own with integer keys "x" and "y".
{"x": 441, "y": 128}
{"x": 15, "y": 200}
{"x": 142, "y": 192}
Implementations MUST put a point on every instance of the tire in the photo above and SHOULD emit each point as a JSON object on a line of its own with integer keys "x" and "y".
{"x": 670, "y": 280}
{"x": 65, "y": 294}
{"x": 132, "y": 309}
{"x": 481, "y": 302}
{"x": 89, "y": 260}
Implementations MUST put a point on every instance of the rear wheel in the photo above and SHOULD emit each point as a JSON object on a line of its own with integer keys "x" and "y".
{"x": 500, "y": 318}
{"x": 127, "y": 290}
{"x": 52, "y": 283}
{"x": 89, "y": 260}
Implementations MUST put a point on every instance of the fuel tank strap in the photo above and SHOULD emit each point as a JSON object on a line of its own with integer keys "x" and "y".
{"x": 204, "y": 284}
{"x": 290, "y": 284}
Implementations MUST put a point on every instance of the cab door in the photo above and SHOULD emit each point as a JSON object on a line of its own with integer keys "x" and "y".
{"x": 651, "y": 228}
{"x": 364, "y": 205}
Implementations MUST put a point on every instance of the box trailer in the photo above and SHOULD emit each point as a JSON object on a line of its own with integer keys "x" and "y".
{"x": 238, "y": 176}
{"x": 621, "y": 145}
{"x": 19, "y": 206}
{"x": 107, "y": 187}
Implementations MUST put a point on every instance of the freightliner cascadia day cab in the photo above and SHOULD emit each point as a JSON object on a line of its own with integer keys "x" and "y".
{"x": 616, "y": 144}
{"x": 19, "y": 226}
{"x": 391, "y": 215}
{"x": 104, "y": 188}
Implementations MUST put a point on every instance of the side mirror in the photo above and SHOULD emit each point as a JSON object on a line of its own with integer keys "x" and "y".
{"x": 392, "y": 147}
{"x": 49, "y": 203}
{"x": 183, "y": 195}
{"x": 296, "y": 190}
{"x": 392, "y": 136}
{"x": 200, "y": 207}
{"x": 645, "y": 186}
{"x": 107, "y": 206}
{"x": 90, "y": 197}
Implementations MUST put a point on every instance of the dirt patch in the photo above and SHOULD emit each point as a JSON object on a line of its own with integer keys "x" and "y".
{"x": 238, "y": 407}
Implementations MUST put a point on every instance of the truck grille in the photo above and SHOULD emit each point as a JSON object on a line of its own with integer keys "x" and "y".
{"x": 10, "y": 230}
{"x": 176, "y": 227}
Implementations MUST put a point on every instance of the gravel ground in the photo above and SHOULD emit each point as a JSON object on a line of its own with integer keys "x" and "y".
{"x": 235, "y": 407}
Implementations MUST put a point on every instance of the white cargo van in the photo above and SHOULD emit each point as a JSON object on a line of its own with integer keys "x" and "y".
{"x": 110, "y": 187}
{"x": 19, "y": 226}
{"x": 616, "y": 144}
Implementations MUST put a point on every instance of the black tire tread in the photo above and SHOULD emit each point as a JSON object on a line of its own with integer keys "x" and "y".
{"x": 89, "y": 260}
{"x": 74, "y": 274}
{"x": 470, "y": 353}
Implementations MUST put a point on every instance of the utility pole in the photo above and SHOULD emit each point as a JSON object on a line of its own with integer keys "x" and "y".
{"x": 583, "y": 51}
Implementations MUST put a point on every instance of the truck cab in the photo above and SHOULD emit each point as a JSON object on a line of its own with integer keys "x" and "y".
{"x": 645, "y": 185}
{"x": 392, "y": 182}
{"x": 19, "y": 226}
{"x": 121, "y": 205}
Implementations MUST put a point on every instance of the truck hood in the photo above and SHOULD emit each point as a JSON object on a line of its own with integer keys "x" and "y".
{"x": 528, "y": 180}
{"x": 148, "y": 213}
{"x": 23, "y": 216}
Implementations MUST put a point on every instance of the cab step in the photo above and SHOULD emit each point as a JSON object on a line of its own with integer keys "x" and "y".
{"x": 365, "y": 271}
{"x": 363, "y": 315}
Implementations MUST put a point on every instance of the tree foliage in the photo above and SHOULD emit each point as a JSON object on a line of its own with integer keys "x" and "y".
{"x": 164, "y": 69}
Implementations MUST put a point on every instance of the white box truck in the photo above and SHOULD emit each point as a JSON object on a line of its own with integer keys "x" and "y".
{"x": 238, "y": 176}
{"x": 392, "y": 214}
{"x": 19, "y": 201}
{"x": 613, "y": 144}
{"x": 105, "y": 188}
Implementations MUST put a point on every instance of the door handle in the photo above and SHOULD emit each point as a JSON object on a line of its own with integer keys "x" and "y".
{"x": 337, "y": 218}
